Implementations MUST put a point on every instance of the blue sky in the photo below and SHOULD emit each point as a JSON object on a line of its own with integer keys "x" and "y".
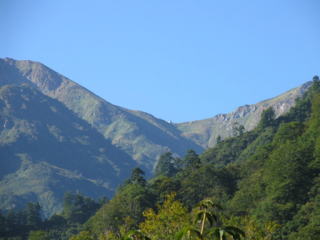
{"x": 178, "y": 60}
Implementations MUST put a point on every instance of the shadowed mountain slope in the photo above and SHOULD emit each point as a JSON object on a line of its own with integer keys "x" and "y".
{"x": 47, "y": 150}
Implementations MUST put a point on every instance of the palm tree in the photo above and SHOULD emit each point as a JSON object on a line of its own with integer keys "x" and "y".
{"x": 215, "y": 233}
{"x": 189, "y": 233}
{"x": 220, "y": 233}
{"x": 205, "y": 213}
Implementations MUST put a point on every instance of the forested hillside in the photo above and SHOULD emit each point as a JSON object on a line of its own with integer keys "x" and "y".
{"x": 266, "y": 181}
{"x": 259, "y": 185}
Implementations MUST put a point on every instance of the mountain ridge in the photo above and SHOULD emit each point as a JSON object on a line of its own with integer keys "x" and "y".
{"x": 140, "y": 134}
{"x": 133, "y": 131}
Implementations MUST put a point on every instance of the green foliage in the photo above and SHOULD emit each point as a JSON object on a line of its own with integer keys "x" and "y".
{"x": 205, "y": 213}
{"x": 136, "y": 235}
{"x": 162, "y": 186}
{"x": 130, "y": 201}
{"x": 280, "y": 178}
{"x": 78, "y": 208}
{"x": 288, "y": 132}
{"x": 170, "y": 218}
{"x": 267, "y": 118}
{"x": 191, "y": 160}
{"x": 212, "y": 224}
{"x": 137, "y": 177}
{"x": 252, "y": 228}
{"x": 305, "y": 224}
{"x": 219, "y": 139}
{"x": 83, "y": 235}
{"x": 38, "y": 235}
{"x": 222, "y": 232}
{"x": 166, "y": 165}
{"x": 28, "y": 224}
{"x": 206, "y": 181}
{"x": 33, "y": 215}
{"x": 228, "y": 150}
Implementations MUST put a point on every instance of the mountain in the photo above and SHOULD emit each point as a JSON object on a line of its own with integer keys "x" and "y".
{"x": 46, "y": 150}
{"x": 141, "y": 135}
{"x": 57, "y": 136}
{"x": 205, "y": 132}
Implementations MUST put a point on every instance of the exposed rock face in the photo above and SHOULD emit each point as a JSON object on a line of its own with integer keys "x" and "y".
{"x": 205, "y": 132}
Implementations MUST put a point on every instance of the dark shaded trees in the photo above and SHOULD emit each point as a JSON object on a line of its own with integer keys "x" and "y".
{"x": 267, "y": 118}
{"x": 191, "y": 160}
{"x": 78, "y": 208}
{"x": 166, "y": 165}
{"x": 137, "y": 177}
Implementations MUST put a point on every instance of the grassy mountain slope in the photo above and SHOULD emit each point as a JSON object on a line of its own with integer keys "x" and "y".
{"x": 141, "y": 135}
{"x": 205, "y": 132}
{"x": 47, "y": 150}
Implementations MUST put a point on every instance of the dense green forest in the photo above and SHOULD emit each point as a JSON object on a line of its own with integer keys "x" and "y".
{"x": 258, "y": 185}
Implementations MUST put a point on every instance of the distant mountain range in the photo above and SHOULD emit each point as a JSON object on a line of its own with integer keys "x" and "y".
{"x": 57, "y": 136}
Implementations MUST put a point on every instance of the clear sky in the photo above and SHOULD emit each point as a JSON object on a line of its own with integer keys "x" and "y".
{"x": 179, "y": 60}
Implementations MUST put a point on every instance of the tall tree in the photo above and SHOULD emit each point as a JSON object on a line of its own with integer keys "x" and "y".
{"x": 166, "y": 165}
{"x": 164, "y": 224}
{"x": 137, "y": 177}
{"x": 33, "y": 215}
{"x": 267, "y": 118}
{"x": 78, "y": 208}
{"x": 205, "y": 213}
{"x": 192, "y": 160}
